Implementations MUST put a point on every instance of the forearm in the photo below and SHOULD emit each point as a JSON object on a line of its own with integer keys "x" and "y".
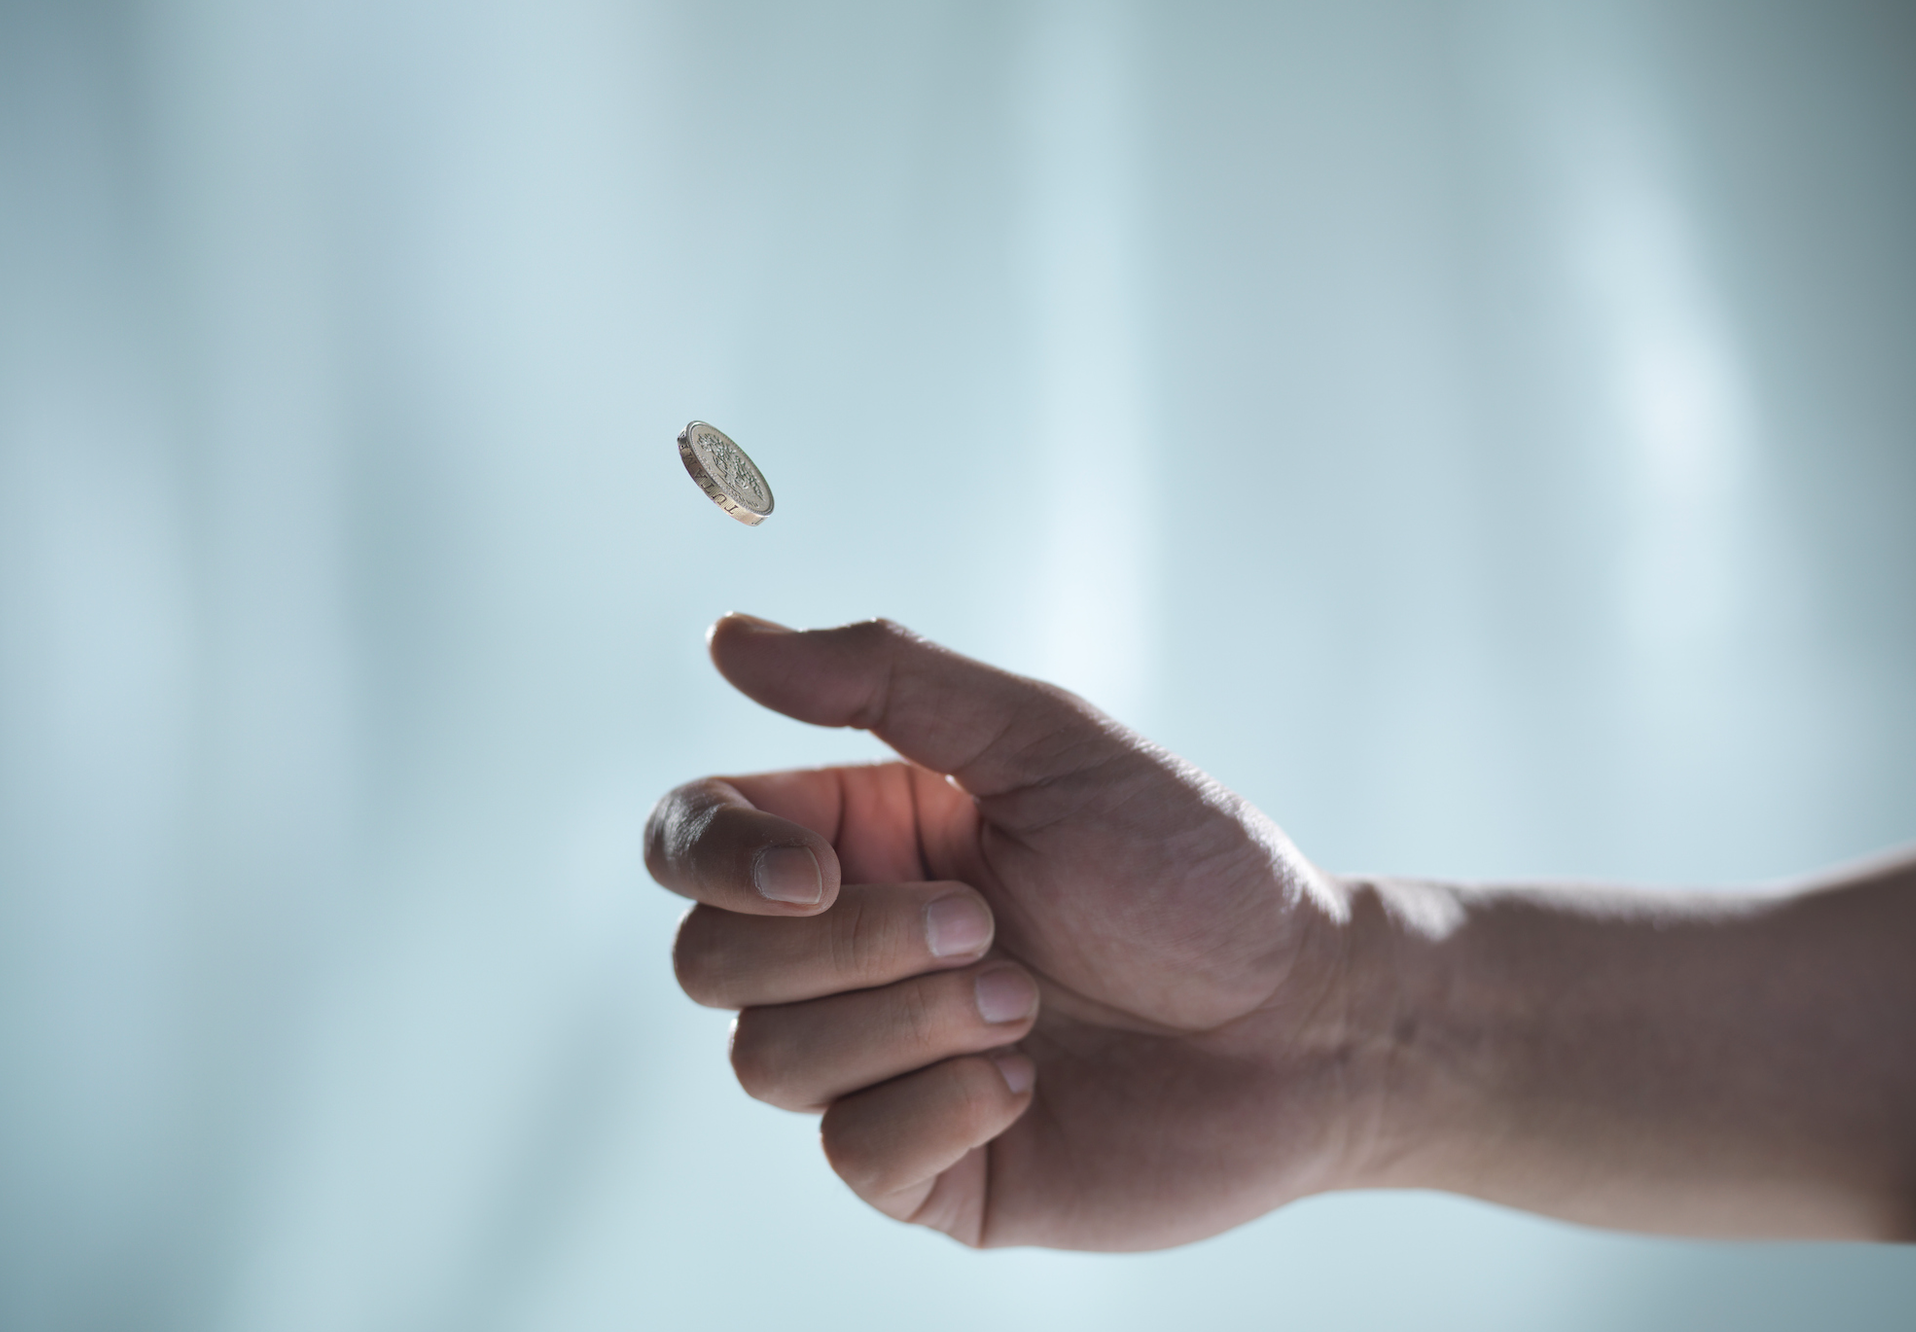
{"x": 1697, "y": 1064}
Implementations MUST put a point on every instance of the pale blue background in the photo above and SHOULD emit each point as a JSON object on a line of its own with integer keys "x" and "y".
{"x": 1482, "y": 433}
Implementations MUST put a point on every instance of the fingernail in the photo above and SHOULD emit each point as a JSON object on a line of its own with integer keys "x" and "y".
{"x": 1005, "y": 995}
{"x": 788, "y": 874}
{"x": 1017, "y": 1071}
{"x": 761, "y": 625}
{"x": 751, "y": 623}
{"x": 957, "y": 925}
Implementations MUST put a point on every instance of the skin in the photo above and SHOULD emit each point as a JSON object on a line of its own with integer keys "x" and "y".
{"x": 1162, "y": 1020}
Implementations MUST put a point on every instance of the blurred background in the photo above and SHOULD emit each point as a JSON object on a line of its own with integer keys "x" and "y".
{"x": 1481, "y": 432}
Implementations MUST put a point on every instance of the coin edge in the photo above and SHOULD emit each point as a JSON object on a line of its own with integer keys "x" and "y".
{"x": 710, "y": 485}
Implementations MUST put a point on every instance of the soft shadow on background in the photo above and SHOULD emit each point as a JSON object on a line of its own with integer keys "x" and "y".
{"x": 1484, "y": 434}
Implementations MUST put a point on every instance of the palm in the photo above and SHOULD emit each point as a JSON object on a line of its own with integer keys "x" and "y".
{"x": 1147, "y": 1021}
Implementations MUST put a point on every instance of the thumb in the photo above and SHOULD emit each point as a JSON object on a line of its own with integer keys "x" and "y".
{"x": 991, "y": 730}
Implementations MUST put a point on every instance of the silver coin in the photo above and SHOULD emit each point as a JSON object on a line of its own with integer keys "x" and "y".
{"x": 729, "y": 478}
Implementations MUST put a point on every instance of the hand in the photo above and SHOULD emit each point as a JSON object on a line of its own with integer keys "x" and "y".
{"x": 1048, "y": 984}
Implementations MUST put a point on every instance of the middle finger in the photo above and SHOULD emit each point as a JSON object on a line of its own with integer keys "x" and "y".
{"x": 804, "y": 1056}
{"x": 873, "y": 934}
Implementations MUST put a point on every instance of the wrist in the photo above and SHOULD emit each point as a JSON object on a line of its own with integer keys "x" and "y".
{"x": 1422, "y": 1080}
{"x": 1683, "y": 1063}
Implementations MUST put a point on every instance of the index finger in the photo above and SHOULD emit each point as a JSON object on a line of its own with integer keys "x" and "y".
{"x": 706, "y": 841}
{"x": 994, "y": 731}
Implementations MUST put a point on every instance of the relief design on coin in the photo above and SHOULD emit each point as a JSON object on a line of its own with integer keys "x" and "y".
{"x": 728, "y": 477}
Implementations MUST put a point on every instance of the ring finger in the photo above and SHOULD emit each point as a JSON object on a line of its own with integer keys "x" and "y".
{"x": 804, "y": 1056}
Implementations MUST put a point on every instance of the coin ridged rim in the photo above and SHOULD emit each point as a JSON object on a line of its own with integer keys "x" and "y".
{"x": 715, "y": 489}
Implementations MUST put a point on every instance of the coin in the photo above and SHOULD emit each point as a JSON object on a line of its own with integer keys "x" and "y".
{"x": 729, "y": 478}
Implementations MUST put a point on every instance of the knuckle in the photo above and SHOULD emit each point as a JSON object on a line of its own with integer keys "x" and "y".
{"x": 860, "y": 937}
{"x": 977, "y": 1095}
{"x": 847, "y": 938}
{"x": 753, "y": 1063}
{"x": 856, "y": 1155}
{"x": 879, "y": 643}
{"x": 930, "y": 1003}
{"x": 696, "y": 958}
{"x": 877, "y": 1157}
{"x": 918, "y": 1013}
{"x": 765, "y": 1064}
{"x": 655, "y": 832}
{"x": 674, "y": 828}
{"x": 965, "y": 1098}
{"x": 883, "y": 628}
